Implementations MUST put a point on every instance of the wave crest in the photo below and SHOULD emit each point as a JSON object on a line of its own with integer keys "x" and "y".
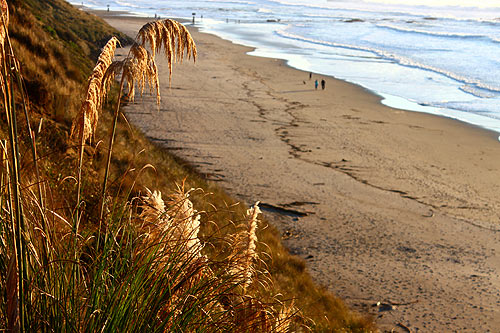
{"x": 403, "y": 61}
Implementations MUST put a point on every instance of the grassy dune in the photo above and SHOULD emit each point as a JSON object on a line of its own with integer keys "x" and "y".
{"x": 127, "y": 259}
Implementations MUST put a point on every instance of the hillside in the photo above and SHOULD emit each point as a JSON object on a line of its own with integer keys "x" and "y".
{"x": 57, "y": 47}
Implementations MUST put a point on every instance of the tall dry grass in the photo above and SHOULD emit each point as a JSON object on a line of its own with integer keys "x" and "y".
{"x": 148, "y": 270}
{"x": 85, "y": 124}
{"x": 5, "y": 23}
{"x": 243, "y": 245}
{"x": 138, "y": 67}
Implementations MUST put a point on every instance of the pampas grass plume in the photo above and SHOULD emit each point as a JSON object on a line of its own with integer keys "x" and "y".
{"x": 244, "y": 249}
{"x": 85, "y": 123}
{"x": 170, "y": 35}
{"x": 186, "y": 222}
{"x": 177, "y": 220}
{"x": 138, "y": 68}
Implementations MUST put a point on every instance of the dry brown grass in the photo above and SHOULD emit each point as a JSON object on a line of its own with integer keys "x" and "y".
{"x": 50, "y": 76}
{"x": 139, "y": 67}
{"x": 85, "y": 123}
{"x": 54, "y": 43}
{"x": 175, "y": 225}
{"x": 170, "y": 35}
{"x": 4, "y": 20}
{"x": 243, "y": 246}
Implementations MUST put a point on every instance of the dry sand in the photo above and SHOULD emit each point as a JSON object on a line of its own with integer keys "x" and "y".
{"x": 385, "y": 205}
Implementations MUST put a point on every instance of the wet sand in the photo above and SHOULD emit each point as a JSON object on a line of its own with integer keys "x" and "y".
{"x": 385, "y": 205}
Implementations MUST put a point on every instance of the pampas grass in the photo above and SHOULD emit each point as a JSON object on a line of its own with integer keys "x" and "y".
{"x": 150, "y": 265}
{"x": 170, "y": 35}
{"x": 85, "y": 123}
{"x": 140, "y": 67}
{"x": 137, "y": 69}
{"x": 169, "y": 229}
{"x": 185, "y": 221}
{"x": 173, "y": 225}
{"x": 243, "y": 247}
{"x": 180, "y": 221}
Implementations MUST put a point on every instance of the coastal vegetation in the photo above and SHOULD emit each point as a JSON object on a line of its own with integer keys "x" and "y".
{"x": 87, "y": 240}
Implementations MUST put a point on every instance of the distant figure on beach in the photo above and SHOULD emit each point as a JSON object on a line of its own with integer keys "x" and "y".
{"x": 316, "y": 84}
{"x": 310, "y": 75}
{"x": 323, "y": 83}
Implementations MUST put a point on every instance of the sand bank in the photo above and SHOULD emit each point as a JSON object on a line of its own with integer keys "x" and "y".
{"x": 384, "y": 204}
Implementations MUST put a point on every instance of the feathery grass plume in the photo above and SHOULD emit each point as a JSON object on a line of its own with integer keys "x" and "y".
{"x": 172, "y": 230}
{"x": 155, "y": 220}
{"x": 85, "y": 123}
{"x": 170, "y": 35}
{"x": 154, "y": 33}
{"x": 145, "y": 69}
{"x": 139, "y": 68}
{"x": 186, "y": 221}
{"x": 243, "y": 249}
{"x": 180, "y": 222}
{"x": 184, "y": 40}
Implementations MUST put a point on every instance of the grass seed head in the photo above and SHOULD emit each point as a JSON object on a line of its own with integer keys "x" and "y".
{"x": 86, "y": 121}
{"x": 244, "y": 246}
{"x": 170, "y": 35}
{"x": 186, "y": 222}
{"x": 177, "y": 220}
{"x": 139, "y": 68}
{"x": 153, "y": 208}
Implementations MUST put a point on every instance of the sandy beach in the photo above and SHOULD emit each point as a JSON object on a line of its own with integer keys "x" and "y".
{"x": 385, "y": 205}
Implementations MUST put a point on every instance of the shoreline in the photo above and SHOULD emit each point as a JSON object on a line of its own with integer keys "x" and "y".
{"x": 393, "y": 101}
{"x": 393, "y": 105}
{"x": 368, "y": 180}
{"x": 397, "y": 102}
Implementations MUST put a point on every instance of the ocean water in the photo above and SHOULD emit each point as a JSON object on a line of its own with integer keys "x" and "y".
{"x": 443, "y": 60}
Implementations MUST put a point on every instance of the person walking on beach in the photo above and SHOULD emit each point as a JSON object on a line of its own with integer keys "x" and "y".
{"x": 316, "y": 84}
{"x": 323, "y": 83}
